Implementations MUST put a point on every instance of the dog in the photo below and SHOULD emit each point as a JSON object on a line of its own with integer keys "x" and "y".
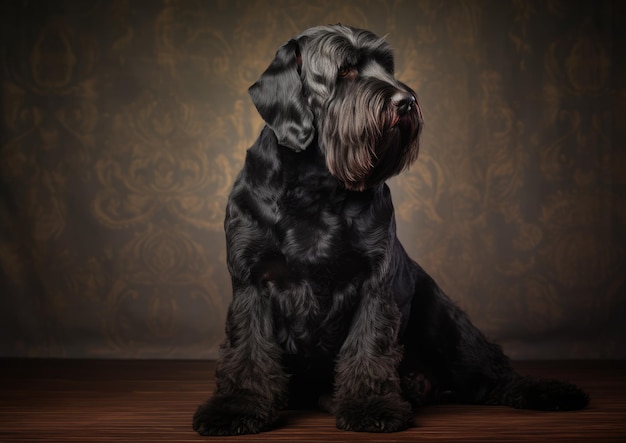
{"x": 327, "y": 306}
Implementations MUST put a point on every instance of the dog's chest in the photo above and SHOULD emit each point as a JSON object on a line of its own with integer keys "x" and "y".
{"x": 307, "y": 244}
{"x": 313, "y": 229}
{"x": 314, "y": 279}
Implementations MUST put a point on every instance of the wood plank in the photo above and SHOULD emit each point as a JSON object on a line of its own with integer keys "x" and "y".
{"x": 150, "y": 401}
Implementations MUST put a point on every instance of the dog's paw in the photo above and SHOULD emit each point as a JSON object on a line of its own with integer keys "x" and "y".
{"x": 232, "y": 415}
{"x": 389, "y": 413}
{"x": 545, "y": 395}
{"x": 417, "y": 389}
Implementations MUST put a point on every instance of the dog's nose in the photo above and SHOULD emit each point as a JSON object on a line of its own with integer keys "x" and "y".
{"x": 405, "y": 103}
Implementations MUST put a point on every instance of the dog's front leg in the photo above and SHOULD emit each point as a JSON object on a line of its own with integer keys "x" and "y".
{"x": 250, "y": 381}
{"x": 367, "y": 388}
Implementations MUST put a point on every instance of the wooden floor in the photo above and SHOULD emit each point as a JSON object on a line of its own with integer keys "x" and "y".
{"x": 150, "y": 401}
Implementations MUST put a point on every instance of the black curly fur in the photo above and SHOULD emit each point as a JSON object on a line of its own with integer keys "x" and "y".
{"x": 327, "y": 307}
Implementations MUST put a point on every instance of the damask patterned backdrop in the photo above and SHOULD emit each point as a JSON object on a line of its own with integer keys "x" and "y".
{"x": 124, "y": 123}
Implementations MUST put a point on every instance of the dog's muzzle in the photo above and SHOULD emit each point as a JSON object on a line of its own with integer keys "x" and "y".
{"x": 405, "y": 103}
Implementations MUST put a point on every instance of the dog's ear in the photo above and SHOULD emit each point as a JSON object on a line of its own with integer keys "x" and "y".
{"x": 279, "y": 98}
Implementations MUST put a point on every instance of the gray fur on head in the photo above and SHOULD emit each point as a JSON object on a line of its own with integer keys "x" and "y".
{"x": 335, "y": 85}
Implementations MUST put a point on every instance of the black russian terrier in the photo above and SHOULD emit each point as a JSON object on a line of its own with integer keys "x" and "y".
{"x": 327, "y": 306}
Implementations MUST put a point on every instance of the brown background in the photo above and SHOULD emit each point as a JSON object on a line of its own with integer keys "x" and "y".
{"x": 124, "y": 124}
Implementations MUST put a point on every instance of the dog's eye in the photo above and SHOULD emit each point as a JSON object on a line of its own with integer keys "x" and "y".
{"x": 348, "y": 72}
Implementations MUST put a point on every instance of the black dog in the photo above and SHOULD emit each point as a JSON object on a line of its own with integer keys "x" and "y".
{"x": 326, "y": 303}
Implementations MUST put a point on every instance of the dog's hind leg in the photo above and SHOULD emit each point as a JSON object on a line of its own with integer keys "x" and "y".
{"x": 529, "y": 393}
{"x": 439, "y": 334}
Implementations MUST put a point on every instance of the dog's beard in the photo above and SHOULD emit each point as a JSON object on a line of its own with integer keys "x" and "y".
{"x": 366, "y": 141}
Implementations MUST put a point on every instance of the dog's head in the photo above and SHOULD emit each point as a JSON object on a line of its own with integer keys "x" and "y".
{"x": 337, "y": 84}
